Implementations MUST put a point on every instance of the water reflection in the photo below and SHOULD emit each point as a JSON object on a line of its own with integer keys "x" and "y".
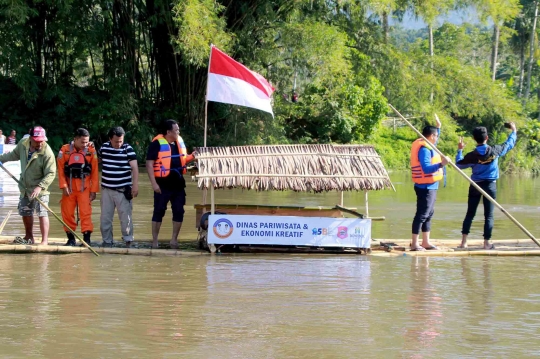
{"x": 425, "y": 310}
{"x": 478, "y": 304}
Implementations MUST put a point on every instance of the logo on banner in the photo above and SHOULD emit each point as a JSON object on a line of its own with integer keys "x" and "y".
{"x": 342, "y": 232}
{"x": 359, "y": 230}
{"x": 223, "y": 228}
{"x": 319, "y": 231}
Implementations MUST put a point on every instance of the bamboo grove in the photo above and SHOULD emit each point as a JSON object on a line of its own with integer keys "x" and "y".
{"x": 99, "y": 63}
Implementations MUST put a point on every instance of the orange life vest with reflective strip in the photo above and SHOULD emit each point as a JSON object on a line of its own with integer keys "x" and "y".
{"x": 162, "y": 166}
{"x": 418, "y": 175}
{"x": 77, "y": 164}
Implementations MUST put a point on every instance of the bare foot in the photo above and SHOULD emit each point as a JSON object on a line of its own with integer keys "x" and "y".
{"x": 30, "y": 240}
{"x": 488, "y": 245}
{"x": 155, "y": 245}
{"x": 44, "y": 243}
{"x": 174, "y": 244}
{"x": 463, "y": 245}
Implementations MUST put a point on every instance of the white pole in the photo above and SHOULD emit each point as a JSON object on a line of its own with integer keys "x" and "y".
{"x": 206, "y": 112}
{"x": 366, "y": 202}
{"x": 206, "y": 97}
{"x": 212, "y": 202}
{"x": 341, "y": 198}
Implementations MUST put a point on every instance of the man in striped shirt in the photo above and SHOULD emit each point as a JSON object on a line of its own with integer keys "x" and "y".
{"x": 119, "y": 184}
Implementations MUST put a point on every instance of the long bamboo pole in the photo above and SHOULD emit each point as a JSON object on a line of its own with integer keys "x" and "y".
{"x": 529, "y": 234}
{"x": 4, "y": 222}
{"x": 49, "y": 210}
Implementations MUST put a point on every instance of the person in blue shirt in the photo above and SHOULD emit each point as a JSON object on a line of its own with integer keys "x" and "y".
{"x": 427, "y": 171}
{"x": 484, "y": 161}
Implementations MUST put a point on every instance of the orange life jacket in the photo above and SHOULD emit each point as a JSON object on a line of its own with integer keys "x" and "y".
{"x": 162, "y": 166}
{"x": 418, "y": 175}
{"x": 76, "y": 164}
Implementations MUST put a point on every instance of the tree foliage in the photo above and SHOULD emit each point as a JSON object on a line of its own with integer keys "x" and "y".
{"x": 99, "y": 63}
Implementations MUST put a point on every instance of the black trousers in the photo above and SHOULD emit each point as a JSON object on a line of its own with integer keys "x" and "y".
{"x": 490, "y": 187}
{"x": 425, "y": 207}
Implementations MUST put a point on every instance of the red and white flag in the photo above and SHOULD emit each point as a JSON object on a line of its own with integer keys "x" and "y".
{"x": 231, "y": 82}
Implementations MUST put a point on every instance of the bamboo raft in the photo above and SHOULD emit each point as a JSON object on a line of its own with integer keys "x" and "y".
{"x": 505, "y": 248}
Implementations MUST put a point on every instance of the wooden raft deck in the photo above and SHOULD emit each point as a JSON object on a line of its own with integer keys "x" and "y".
{"x": 504, "y": 248}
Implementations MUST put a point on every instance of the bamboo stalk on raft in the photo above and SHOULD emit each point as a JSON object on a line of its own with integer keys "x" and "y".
{"x": 529, "y": 234}
{"x": 50, "y": 210}
{"x": 4, "y": 222}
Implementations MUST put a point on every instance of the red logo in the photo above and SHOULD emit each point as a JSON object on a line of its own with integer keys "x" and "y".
{"x": 342, "y": 232}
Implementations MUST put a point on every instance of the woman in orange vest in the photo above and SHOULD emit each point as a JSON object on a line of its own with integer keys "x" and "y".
{"x": 78, "y": 179}
{"x": 166, "y": 162}
{"x": 427, "y": 171}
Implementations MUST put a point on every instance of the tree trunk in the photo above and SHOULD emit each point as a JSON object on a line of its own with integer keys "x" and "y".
{"x": 385, "y": 26}
{"x": 531, "y": 51}
{"x": 538, "y": 96}
{"x": 430, "y": 28}
{"x": 163, "y": 53}
{"x": 521, "y": 68}
{"x": 495, "y": 50}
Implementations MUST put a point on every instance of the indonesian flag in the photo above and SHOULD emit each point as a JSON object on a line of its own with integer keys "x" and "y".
{"x": 231, "y": 82}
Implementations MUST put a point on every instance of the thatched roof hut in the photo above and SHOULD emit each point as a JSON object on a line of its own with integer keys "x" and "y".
{"x": 315, "y": 168}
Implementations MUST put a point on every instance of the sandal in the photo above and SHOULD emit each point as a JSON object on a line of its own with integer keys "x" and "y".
{"x": 20, "y": 240}
{"x": 417, "y": 249}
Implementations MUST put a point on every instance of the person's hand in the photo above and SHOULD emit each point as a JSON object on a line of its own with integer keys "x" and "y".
{"x": 156, "y": 188}
{"x": 35, "y": 193}
{"x": 66, "y": 191}
{"x": 135, "y": 190}
{"x": 438, "y": 121}
{"x": 445, "y": 160}
{"x": 92, "y": 196}
{"x": 513, "y": 126}
{"x": 461, "y": 144}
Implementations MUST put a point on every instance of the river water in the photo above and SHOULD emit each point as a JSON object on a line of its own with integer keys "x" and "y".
{"x": 280, "y": 306}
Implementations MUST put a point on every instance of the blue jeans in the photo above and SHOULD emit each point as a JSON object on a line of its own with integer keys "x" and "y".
{"x": 425, "y": 207}
{"x": 490, "y": 187}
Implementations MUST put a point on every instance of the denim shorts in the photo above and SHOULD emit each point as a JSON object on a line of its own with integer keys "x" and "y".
{"x": 28, "y": 207}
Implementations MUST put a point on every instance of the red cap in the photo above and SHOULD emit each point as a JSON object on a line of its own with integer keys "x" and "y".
{"x": 38, "y": 134}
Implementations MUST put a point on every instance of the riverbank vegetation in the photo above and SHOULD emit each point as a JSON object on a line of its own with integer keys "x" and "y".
{"x": 99, "y": 63}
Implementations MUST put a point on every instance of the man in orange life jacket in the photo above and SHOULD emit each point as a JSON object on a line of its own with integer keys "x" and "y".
{"x": 78, "y": 179}
{"x": 166, "y": 162}
{"x": 427, "y": 171}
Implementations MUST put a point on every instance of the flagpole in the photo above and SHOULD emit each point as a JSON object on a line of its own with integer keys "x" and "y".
{"x": 206, "y": 97}
{"x": 206, "y": 116}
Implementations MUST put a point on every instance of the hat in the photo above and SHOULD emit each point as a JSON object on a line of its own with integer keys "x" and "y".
{"x": 38, "y": 134}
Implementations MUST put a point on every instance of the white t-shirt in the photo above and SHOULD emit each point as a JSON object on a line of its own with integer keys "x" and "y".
{"x": 2, "y": 139}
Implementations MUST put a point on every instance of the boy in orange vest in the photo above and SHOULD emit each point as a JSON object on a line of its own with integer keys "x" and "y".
{"x": 166, "y": 162}
{"x": 78, "y": 179}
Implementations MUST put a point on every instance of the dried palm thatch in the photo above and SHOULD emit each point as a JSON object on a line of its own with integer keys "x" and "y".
{"x": 315, "y": 168}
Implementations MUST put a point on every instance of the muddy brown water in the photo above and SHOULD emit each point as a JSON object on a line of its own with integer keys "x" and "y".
{"x": 280, "y": 306}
